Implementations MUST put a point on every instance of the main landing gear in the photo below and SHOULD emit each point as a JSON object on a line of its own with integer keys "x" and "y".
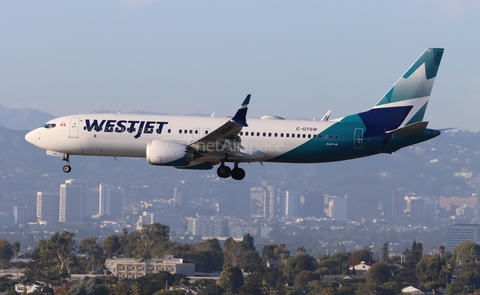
{"x": 67, "y": 167}
{"x": 225, "y": 172}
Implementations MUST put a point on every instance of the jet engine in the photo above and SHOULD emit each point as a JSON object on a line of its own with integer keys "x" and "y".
{"x": 161, "y": 152}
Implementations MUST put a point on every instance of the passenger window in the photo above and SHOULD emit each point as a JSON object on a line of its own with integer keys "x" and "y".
{"x": 303, "y": 135}
{"x": 319, "y": 136}
{"x": 331, "y": 136}
{"x": 264, "y": 134}
{"x": 169, "y": 130}
{"x": 336, "y": 136}
{"x": 241, "y": 133}
{"x": 275, "y": 135}
{"x": 180, "y": 131}
{"x": 309, "y": 136}
{"x": 258, "y": 133}
{"x": 281, "y": 134}
{"x": 269, "y": 134}
{"x": 298, "y": 135}
{"x": 196, "y": 131}
{"x": 287, "y": 135}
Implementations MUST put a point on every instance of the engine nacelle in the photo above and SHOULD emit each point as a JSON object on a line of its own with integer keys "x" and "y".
{"x": 161, "y": 152}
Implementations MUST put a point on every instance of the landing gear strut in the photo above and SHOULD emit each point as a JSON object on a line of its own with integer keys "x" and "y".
{"x": 225, "y": 172}
{"x": 67, "y": 167}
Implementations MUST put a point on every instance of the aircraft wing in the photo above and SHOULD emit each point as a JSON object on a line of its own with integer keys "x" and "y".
{"x": 225, "y": 138}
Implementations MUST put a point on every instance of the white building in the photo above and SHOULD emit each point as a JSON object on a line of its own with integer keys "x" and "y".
{"x": 48, "y": 205}
{"x": 73, "y": 201}
{"x": 110, "y": 201}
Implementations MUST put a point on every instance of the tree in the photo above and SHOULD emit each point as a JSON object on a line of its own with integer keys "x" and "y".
{"x": 385, "y": 252}
{"x": 112, "y": 246}
{"x": 378, "y": 274}
{"x": 231, "y": 279}
{"x": 16, "y": 249}
{"x": 466, "y": 252}
{"x": 429, "y": 269}
{"x": 252, "y": 285}
{"x": 94, "y": 252}
{"x": 295, "y": 264}
{"x": 364, "y": 255}
{"x": 6, "y": 252}
{"x": 149, "y": 236}
{"x": 303, "y": 278}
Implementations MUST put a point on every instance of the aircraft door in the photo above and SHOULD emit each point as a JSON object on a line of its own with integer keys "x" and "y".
{"x": 73, "y": 128}
{"x": 358, "y": 138}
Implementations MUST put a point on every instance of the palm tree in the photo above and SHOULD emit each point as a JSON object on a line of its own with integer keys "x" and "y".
{"x": 16, "y": 248}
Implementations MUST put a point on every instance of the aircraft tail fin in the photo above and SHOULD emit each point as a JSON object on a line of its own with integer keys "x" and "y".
{"x": 413, "y": 89}
{"x": 406, "y": 101}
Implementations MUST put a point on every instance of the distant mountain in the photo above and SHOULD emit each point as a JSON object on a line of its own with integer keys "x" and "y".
{"x": 22, "y": 119}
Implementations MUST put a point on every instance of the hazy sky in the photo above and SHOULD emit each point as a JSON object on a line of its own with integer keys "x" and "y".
{"x": 298, "y": 59}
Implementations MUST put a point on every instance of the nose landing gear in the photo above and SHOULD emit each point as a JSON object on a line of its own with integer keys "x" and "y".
{"x": 225, "y": 172}
{"x": 67, "y": 168}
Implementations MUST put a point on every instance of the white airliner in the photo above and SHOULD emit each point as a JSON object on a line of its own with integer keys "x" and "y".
{"x": 186, "y": 142}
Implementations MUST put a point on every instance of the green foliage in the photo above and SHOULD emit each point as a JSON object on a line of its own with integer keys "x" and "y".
{"x": 364, "y": 255}
{"x": 112, "y": 246}
{"x": 295, "y": 264}
{"x": 456, "y": 288}
{"x": 149, "y": 236}
{"x": 378, "y": 274}
{"x": 6, "y": 252}
{"x": 429, "y": 269}
{"x": 466, "y": 252}
{"x": 407, "y": 273}
{"x": 242, "y": 254}
{"x": 303, "y": 278}
{"x": 231, "y": 279}
{"x": 94, "y": 252}
{"x": 252, "y": 285}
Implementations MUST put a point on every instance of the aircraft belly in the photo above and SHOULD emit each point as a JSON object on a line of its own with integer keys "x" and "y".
{"x": 94, "y": 145}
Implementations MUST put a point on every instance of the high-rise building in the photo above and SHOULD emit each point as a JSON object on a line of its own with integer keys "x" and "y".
{"x": 362, "y": 201}
{"x": 270, "y": 203}
{"x": 48, "y": 205}
{"x": 459, "y": 233}
{"x": 172, "y": 220}
{"x": 207, "y": 227}
{"x": 234, "y": 199}
{"x": 110, "y": 201}
{"x": 290, "y": 204}
{"x": 24, "y": 214}
{"x": 73, "y": 201}
{"x": 181, "y": 205}
{"x": 416, "y": 208}
{"x": 313, "y": 205}
{"x": 337, "y": 208}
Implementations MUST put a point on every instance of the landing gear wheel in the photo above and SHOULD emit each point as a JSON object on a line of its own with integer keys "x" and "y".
{"x": 238, "y": 173}
{"x": 67, "y": 168}
{"x": 224, "y": 171}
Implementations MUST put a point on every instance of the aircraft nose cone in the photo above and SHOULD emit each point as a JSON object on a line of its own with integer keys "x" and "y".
{"x": 31, "y": 136}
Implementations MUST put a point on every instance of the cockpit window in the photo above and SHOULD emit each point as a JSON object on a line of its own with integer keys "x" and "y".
{"x": 48, "y": 126}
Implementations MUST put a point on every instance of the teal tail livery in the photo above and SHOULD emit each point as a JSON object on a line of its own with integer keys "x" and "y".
{"x": 185, "y": 142}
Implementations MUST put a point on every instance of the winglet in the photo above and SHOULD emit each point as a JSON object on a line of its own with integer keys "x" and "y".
{"x": 241, "y": 116}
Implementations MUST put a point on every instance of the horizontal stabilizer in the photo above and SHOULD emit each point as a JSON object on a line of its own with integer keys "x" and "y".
{"x": 412, "y": 129}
